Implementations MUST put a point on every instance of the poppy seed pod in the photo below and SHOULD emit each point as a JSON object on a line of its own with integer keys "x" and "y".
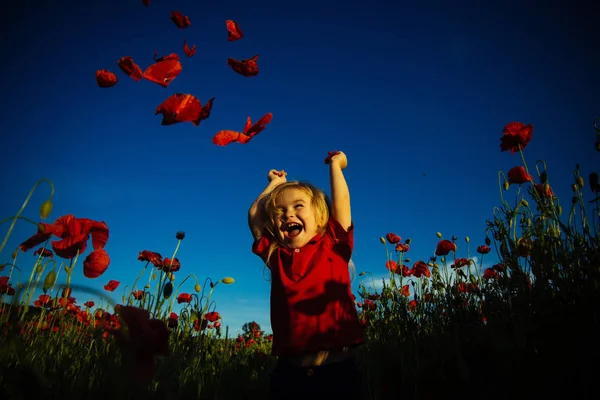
{"x": 168, "y": 290}
{"x": 46, "y": 209}
{"x": 49, "y": 281}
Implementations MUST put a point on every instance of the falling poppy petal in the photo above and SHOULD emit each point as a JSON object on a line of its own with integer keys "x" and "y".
{"x": 233, "y": 31}
{"x": 259, "y": 126}
{"x": 187, "y": 50}
{"x": 183, "y": 108}
{"x": 205, "y": 111}
{"x": 223, "y": 138}
{"x": 164, "y": 70}
{"x": 105, "y": 78}
{"x": 182, "y": 21}
{"x": 246, "y": 68}
{"x": 130, "y": 68}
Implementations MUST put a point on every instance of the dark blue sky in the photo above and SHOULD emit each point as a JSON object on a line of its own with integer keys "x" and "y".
{"x": 416, "y": 96}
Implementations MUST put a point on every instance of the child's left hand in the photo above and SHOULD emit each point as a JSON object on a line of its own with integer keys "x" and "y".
{"x": 337, "y": 159}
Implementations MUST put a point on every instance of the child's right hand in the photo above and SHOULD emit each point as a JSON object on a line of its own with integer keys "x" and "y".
{"x": 277, "y": 176}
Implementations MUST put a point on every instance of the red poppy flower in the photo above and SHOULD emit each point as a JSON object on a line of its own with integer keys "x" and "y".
{"x": 184, "y": 298}
{"x": 460, "y": 262}
{"x": 96, "y": 263}
{"x": 483, "y": 249}
{"x": 89, "y": 304}
{"x": 516, "y": 134}
{"x": 233, "y": 31}
{"x": 182, "y": 21}
{"x": 173, "y": 319}
{"x": 392, "y": 238}
{"x": 405, "y": 291}
{"x": 490, "y": 273}
{"x": 392, "y": 266}
{"x": 138, "y": 294}
{"x": 111, "y": 285}
{"x": 419, "y": 269}
{"x": 412, "y": 305}
{"x": 151, "y": 256}
{"x": 141, "y": 338}
{"x": 212, "y": 316}
{"x": 544, "y": 190}
{"x": 444, "y": 247}
{"x": 517, "y": 175}
{"x": 105, "y": 78}
{"x": 169, "y": 266}
{"x": 43, "y": 252}
{"x": 402, "y": 247}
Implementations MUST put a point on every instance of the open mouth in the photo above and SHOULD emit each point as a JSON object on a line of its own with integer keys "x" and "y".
{"x": 291, "y": 230}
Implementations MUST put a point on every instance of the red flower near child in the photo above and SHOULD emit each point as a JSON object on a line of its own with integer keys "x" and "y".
{"x": 517, "y": 175}
{"x": 516, "y": 135}
{"x": 142, "y": 339}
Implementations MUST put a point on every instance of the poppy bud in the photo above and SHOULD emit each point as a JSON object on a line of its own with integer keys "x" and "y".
{"x": 14, "y": 254}
{"x": 487, "y": 241}
{"x": 154, "y": 276}
{"x": 559, "y": 210}
{"x": 407, "y": 241}
{"x": 46, "y": 209}
{"x": 467, "y": 239}
{"x": 228, "y": 280}
{"x": 197, "y": 288}
{"x": 21, "y": 286}
{"x": 579, "y": 181}
{"x": 170, "y": 276}
{"x": 439, "y": 234}
{"x": 506, "y": 186}
{"x": 168, "y": 290}
{"x": 472, "y": 279}
{"x": 146, "y": 286}
{"x": 543, "y": 177}
{"x": 574, "y": 188}
{"x": 524, "y": 203}
{"x": 362, "y": 273}
{"x": 180, "y": 235}
{"x": 49, "y": 281}
{"x": 39, "y": 269}
{"x": 407, "y": 260}
{"x": 528, "y": 221}
{"x": 382, "y": 239}
{"x": 443, "y": 259}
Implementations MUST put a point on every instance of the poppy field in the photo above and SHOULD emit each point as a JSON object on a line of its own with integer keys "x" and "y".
{"x": 440, "y": 325}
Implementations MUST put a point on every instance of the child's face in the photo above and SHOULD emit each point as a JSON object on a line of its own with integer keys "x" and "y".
{"x": 296, "y": 220}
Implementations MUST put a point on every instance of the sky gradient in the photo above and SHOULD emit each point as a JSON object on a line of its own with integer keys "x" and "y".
{"x": 416, "y": 96}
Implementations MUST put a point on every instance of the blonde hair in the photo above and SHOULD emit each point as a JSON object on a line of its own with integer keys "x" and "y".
{"x": 319, "y": 202}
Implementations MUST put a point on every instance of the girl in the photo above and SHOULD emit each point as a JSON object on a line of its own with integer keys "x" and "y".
{"x": 306, "y": 241}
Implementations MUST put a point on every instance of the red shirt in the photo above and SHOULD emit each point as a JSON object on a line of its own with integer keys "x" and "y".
{"x": 312, "y": 307}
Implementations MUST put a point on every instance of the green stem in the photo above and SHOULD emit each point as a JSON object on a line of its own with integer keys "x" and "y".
{"x": 16, "y": 217}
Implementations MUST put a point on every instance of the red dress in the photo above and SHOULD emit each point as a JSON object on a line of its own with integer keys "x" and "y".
{"x": 312, "y": 307}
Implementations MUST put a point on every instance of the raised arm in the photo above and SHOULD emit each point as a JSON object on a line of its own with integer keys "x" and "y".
{"x": 256, "y": 213}
{"x": 340, "y": 195}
